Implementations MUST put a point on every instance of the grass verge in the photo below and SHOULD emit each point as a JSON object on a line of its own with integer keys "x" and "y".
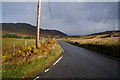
{"x": 17, "y": 68}
{"x": 110, "y": 50}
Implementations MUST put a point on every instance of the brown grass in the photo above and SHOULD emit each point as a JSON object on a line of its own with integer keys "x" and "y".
{"x": 97, "y": 41}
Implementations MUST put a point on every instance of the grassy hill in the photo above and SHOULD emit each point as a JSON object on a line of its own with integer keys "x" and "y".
{"x": 106, "y": 34}
{"x": 27, "y": 29}
{"x": 114, "y": 33}
{"x": 106, "y": 43}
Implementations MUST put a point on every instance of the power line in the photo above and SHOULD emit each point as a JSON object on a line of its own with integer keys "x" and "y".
{"x": 50, "y": 11}
{"x": 51, "y": 14}
{"x": 113, "y": 25}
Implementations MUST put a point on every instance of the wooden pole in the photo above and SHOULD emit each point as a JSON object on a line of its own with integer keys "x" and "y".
{"x": 38, "y": 23}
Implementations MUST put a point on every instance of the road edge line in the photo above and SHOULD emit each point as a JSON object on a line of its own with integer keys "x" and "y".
{"x": 36, "y": 78}
{"x": 61, "y": 48}
{"x": 47, "y": 70}
{"x": 57, "y": 61}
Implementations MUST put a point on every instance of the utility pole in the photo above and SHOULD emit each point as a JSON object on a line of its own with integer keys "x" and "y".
{"x": 113, "y": 26}
{"x": 38, "y": 22}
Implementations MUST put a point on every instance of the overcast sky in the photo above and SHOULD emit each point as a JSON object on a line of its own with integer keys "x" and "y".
{"x": 73, "y": 18}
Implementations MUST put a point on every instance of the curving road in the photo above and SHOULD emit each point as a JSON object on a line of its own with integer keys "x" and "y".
{"x": 81, "y": 63}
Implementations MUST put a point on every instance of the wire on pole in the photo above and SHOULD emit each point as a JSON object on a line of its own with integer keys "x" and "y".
{"x": 50, "y": 11}
{"x": 51, "y": 15}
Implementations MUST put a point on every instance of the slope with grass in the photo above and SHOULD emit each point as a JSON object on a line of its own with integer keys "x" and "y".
{"x": 29, "y": 30}
{"x": 25, "y": 60}
{"x": 106, "y": 43}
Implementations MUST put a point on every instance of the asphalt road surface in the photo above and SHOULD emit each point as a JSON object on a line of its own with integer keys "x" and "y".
{"x": 78, "y": 62}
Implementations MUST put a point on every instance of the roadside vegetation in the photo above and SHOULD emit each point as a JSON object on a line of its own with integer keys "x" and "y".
{"x": 107, "y": 44}
{"x": 18, "y": 36}
{"x": 21, "y": 59}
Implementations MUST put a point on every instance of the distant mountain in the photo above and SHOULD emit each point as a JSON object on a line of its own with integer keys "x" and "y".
{"x": 27, "y": 29}
{"x": 107, "y": 32}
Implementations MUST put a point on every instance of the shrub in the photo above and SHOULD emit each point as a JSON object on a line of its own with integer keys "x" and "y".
{"x": 3, "y": 58}
{"x": 27, "y": 52}
{"x": 11, "y": 36}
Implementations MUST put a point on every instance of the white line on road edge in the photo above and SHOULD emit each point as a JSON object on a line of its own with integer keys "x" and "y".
{"x": 62, "y": 49}
{"x": 47, "y": 70}
{"x": 36, "y": 78}
{"x": 58, "y": 60}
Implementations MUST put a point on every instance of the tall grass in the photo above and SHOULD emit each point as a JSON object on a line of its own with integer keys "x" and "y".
{"x": 28, "y": 61}
{"x": 107, "y": 46}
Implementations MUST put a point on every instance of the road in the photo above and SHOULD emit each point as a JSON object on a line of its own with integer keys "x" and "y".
{"x": 78, "y": 62}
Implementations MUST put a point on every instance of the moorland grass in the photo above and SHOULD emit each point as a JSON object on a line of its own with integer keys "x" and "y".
{"x": 107, "y": 46}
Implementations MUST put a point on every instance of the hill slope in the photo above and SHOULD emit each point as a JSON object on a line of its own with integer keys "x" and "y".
{"x": 107, "y": 32}
{"x": 27, "y": 29}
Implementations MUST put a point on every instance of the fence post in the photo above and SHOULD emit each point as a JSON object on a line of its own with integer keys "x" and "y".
{"x": 25, "y": 52}
{"x": 14, "y": 48}
{"x": 25, "y": 43}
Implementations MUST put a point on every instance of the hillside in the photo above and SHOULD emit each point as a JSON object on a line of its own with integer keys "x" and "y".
{"x": 106, "y": 43}
{"x": 27, "y": 29}
{"x": 106, "y": 34}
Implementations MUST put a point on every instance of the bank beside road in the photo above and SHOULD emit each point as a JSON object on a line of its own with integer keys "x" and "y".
{"x": 108, "y": 46}
{"x": 16, "y": 65}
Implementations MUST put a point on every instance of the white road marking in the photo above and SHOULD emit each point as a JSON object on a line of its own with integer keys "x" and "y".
{"x": 36, "y": 78}
{"x": 47, "y": 70}
{"x": 62, "y": 49}
{"x": 58, "y": 60}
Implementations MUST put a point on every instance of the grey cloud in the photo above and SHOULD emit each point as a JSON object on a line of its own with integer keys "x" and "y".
{"x": 83, "y": 18}
{"x": 72, "y": 18}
